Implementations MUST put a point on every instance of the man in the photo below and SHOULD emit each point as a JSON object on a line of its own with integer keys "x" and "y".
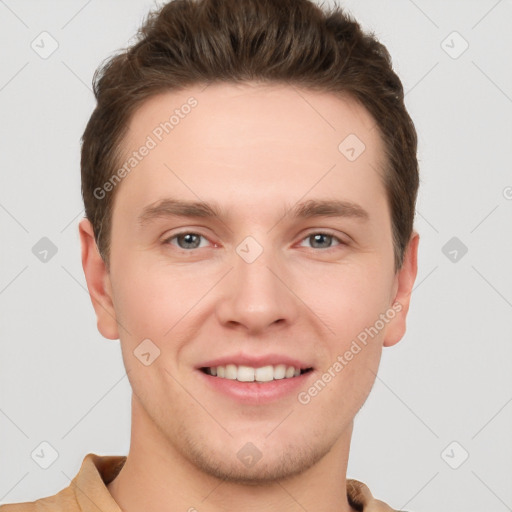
{"x": 249, "y": 177}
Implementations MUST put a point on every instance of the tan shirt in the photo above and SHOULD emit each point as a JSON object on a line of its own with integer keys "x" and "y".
{"x": 88, "y": 491}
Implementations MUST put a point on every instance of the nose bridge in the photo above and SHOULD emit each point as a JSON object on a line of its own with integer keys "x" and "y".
{"x": 257, "y": 296}
{"x": 255, "y": 267}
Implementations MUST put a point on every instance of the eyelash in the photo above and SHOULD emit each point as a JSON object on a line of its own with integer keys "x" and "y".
{"x": 309, "y": 235}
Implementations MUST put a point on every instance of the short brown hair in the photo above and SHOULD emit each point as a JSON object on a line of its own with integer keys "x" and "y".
{"x": 189, "y": 42}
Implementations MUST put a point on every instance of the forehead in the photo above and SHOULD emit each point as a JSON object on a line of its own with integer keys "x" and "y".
{"x": 221, "y": 110}
{"x": 241, "y": 142}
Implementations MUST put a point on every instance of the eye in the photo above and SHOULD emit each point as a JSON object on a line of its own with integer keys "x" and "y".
{"x": 190, "y": 240}
{"x": 185, "y": 240}
{"x": 323, "y": 240}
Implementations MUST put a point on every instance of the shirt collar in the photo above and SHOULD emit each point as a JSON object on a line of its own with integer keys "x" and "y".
{"x": 90, "y": 484}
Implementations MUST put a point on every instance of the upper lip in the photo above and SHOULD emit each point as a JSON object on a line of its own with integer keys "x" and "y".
{"x": 255, "y": 361}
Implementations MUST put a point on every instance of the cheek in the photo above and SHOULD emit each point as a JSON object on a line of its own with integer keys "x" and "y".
{"x": 153, "y": 298}
{"x": 150, "y": 300}
{"x": 348, "y": 298}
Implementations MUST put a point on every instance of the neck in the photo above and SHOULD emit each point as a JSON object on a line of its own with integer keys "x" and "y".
{"x": 158, "y": 478}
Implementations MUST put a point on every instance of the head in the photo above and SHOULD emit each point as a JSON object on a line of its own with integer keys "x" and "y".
{"x": 271, "y": 113}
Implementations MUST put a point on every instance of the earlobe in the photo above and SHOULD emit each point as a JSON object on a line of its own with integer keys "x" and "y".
{"x": 98, "y": 282}
{"x": 405, "y": 279}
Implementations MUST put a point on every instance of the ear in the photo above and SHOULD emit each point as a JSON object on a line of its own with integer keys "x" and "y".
{"x": 404, "y": 281}
{"x": 98, "y": 282}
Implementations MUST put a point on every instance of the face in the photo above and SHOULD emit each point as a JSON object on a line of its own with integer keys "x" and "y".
{"x": 275, "y": 280}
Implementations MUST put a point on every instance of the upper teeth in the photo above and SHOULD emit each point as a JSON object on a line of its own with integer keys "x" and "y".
{"x": 250, "y": 374}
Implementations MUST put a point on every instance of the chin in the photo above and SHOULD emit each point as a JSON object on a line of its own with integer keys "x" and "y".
{"x": 258, "y": 463}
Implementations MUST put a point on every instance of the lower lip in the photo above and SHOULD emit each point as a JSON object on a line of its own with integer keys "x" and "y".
{"x": 257, "y": 392}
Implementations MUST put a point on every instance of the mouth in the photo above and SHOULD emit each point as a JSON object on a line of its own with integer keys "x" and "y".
{"x": 256, "y": 379}
{"x": 243, "y": 373}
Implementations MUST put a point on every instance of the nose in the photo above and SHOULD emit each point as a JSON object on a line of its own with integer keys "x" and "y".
{"x": 257, "y": 293}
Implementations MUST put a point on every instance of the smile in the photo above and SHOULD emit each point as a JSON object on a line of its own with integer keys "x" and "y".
{"x": 244, "y": 373}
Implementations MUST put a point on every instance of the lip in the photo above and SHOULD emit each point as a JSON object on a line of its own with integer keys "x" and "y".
{"x": 255, "y": 361}
{"x": 256, "y": 393}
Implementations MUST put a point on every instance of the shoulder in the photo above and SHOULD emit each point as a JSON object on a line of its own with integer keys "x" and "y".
{"x": 361, "y": 498}
{"x": 90, "y": 483}
{"x": 64, "y": 501}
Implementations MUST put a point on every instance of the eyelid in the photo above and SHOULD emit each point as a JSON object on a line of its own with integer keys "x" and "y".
{"x": 167, "y": 239}
{"x": 324, "y": 231}
{"x": 327, "y": 232}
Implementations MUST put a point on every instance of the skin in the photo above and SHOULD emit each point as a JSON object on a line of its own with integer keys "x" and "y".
{"x": 255, "y": 149}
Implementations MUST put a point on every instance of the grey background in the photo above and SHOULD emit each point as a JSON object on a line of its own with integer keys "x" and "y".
{"x": 448, "y": 380}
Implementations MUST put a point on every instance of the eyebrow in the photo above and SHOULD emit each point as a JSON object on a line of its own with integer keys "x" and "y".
{"x": 172, "y": 207}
